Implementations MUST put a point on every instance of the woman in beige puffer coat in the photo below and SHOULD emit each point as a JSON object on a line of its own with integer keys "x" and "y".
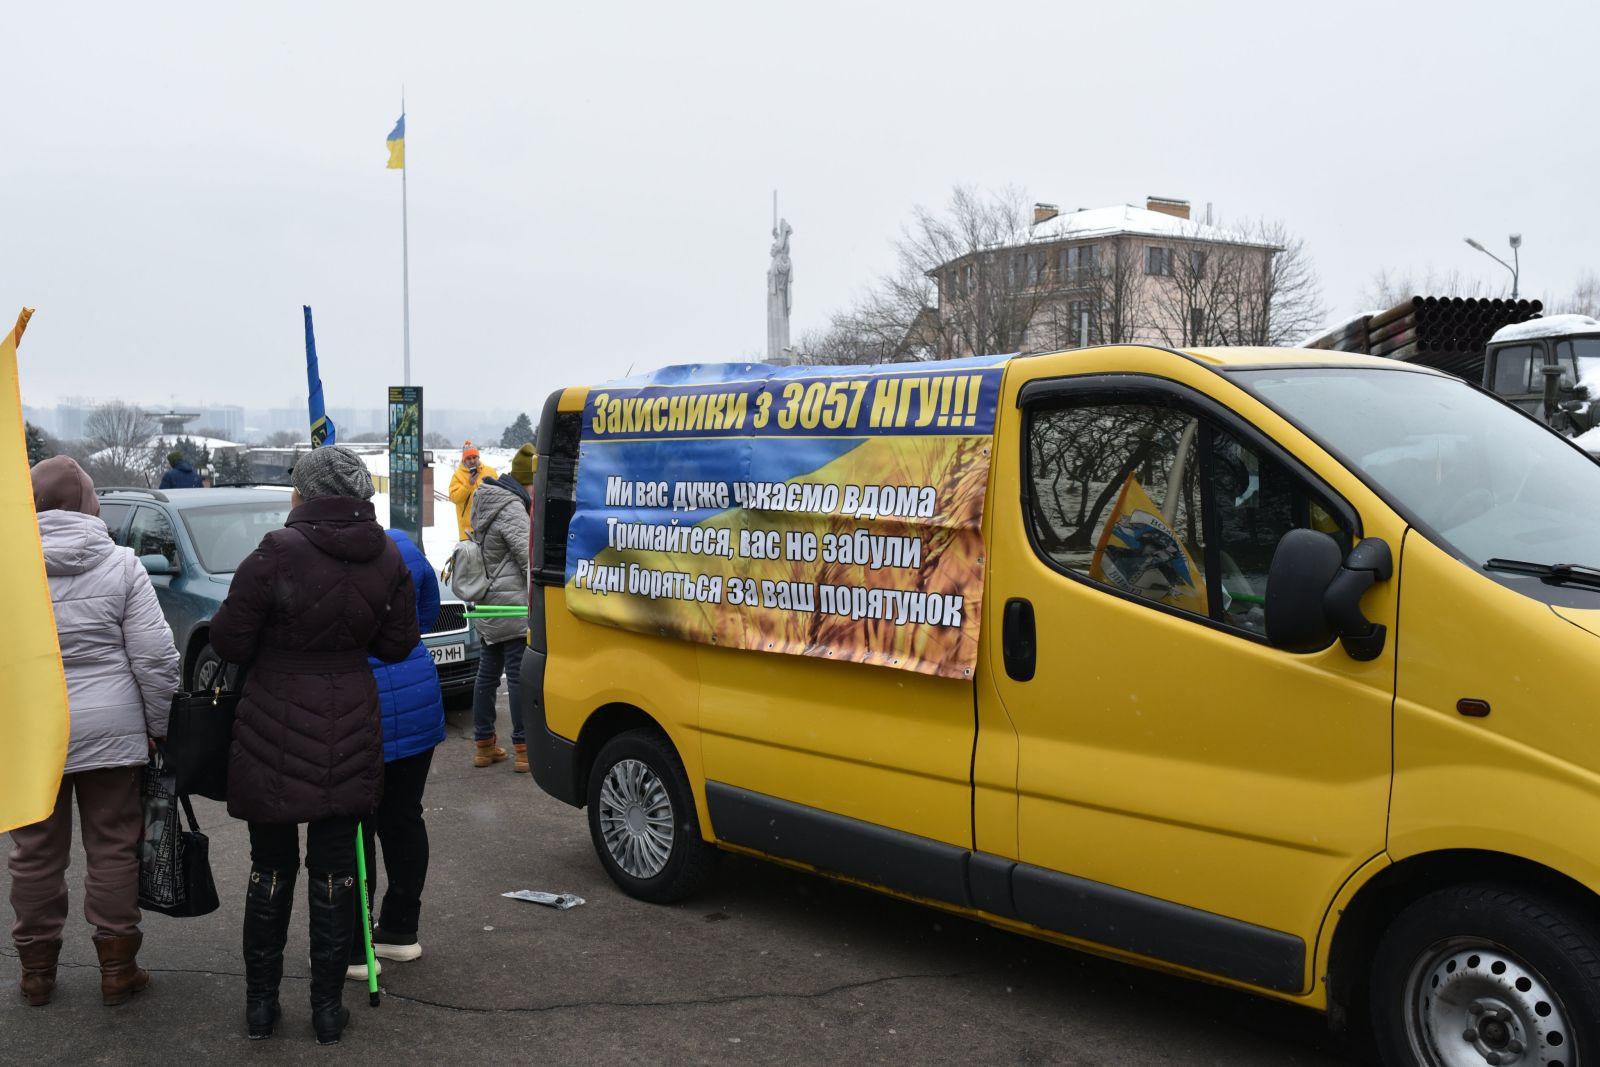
{"x": 121, "y": 670}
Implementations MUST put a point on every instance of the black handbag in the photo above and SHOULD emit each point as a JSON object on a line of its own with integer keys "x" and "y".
{"x": 174, "y": 863}
{"x": 199, "y": 732}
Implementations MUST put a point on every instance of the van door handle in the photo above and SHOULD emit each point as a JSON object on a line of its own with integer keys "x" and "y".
{"x": 1017, "y": 641}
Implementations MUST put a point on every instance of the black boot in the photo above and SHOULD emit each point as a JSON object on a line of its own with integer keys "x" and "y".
{"x": 332, "y": 926}
{"x": 268, "y": 903}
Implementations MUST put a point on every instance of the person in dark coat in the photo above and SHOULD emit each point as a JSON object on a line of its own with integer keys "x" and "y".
{"x": 304, "y": 612}
{"x": 413, "y": 725}
{"x": 180, "y": 473}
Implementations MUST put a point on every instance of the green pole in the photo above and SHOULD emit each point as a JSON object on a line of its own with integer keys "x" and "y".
{"x": 366, "y": 919}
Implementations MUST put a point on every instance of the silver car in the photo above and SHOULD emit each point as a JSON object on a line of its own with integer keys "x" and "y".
{"x": 192, "y": 540}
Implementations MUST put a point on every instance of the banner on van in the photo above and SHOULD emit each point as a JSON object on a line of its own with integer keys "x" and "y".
{"x": 829, "y": 512}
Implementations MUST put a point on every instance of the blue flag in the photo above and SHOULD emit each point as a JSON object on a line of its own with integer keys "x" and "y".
{"x": 322, "y": 428}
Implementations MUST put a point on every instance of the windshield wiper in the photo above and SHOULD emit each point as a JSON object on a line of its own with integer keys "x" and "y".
{"x": 1559, "y": 573}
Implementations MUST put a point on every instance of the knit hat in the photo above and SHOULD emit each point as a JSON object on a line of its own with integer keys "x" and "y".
{"x": 523, "y": 464}
{"x": 331, "y": 470}
{"x": 470, "y": 451}
{"x": 174, "y": 458}
{"x": 59, "y": 484}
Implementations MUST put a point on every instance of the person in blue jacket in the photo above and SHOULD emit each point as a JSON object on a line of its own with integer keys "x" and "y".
{"x": 413, "y": 724}
{"x": 180, "y": 473}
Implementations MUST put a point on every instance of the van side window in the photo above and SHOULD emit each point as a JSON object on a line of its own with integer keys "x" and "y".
{"x": 1116, "y": 498}
{"x": 1162, "y": 504}
{"x": 1257, "y": 501}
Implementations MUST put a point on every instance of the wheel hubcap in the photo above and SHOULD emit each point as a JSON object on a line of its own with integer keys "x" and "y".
{"x": 636, "y": 818}
{"x": 1470, "y": 1002}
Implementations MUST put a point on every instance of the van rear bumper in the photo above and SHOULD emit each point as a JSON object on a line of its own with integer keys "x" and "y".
{"x": 554, "y": 759}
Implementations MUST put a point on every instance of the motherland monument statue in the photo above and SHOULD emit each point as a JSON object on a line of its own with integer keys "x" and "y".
{"x": 780, "y": 290}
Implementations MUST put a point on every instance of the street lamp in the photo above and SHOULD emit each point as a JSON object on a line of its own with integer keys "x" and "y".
{"x": 1516, "y": 243}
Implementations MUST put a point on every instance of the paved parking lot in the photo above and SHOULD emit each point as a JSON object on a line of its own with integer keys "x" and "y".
{"x": 770, "y": 966}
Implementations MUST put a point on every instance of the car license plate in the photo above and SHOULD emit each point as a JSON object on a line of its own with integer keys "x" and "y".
{"x": 448, "y": 654}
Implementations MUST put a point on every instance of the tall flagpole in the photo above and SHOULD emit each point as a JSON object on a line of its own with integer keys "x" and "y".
{"x": 405, "y": 250}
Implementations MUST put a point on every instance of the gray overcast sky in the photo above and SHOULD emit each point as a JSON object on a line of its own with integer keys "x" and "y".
{"x": 590, "y": 184}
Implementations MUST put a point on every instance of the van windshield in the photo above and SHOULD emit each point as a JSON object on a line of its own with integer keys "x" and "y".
{"x": 1490, "y": 482}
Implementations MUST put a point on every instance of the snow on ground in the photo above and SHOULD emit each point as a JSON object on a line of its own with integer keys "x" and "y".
{"x": 438, "y": 540}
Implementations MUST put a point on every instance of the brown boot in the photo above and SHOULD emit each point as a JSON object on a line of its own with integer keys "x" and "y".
{"x": 488, "y": 752}
{"x": 39, "y": 970}
{"x": 120, "y": 974}
{"x": 522, "y": 759}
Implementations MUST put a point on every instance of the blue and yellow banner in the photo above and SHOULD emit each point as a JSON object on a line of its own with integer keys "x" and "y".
{"x": 820, "y": 511}
{"x": 33, "y": 687}
{"x": 323, "y": 431}
{"x": 397, "y": 145}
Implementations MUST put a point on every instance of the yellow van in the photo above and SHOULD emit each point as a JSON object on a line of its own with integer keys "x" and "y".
{"x": 1267, "y": 667}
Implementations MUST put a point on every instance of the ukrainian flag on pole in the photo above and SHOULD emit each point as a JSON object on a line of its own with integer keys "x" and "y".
{"x": 397, "y": 145}
{"x": 33, "y": 687}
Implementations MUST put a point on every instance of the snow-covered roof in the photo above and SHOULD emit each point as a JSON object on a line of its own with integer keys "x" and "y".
{"x": 1589, "y": 441}
{"x": 1550, "y": 326}
{"x": 1126, "y": 218}
{"x": 213, "y": 443}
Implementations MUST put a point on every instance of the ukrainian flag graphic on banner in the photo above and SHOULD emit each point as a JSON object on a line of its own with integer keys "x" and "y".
{"x": 1140, "y": 554}
{"x": 397, "y": 145}
{"x": 33, "y": 688}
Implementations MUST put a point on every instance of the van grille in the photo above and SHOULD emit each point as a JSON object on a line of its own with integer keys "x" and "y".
{"x": 452, "y": 616}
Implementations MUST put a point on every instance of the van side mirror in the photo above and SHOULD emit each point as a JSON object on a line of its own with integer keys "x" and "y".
{"x": 1314, "y": 596}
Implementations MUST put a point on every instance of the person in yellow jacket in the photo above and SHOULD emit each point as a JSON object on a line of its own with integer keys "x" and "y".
{"x": 469, "y": 475}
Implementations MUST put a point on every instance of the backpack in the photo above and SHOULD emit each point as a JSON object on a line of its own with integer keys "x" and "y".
{"x": 465, "y": 573}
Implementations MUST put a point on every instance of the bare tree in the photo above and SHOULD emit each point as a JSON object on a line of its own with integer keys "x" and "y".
{"x": 1194, "y": 302}
{"x": 990, "y": 283}
{"x": 285, "y": 439}
{"x": 1258, "y": 287}
{"x": 1583, "y": 300}
{"x": 1280, "y": 301}
{"x": 862, "y": 335}
{"x": 964, "y": 282}
{"x": 118, "y": 437}
{"x": 1390, "y": 286}
{"x": 1103, "y": 302}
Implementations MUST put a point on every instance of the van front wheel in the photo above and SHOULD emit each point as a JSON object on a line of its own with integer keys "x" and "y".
{"x": 1486, "y": 975}
{"x": 643, "y": 821}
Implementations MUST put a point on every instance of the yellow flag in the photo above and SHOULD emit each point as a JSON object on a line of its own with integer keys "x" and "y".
{"x": 1140, "y": 554}
{"x": 33, "y": 689}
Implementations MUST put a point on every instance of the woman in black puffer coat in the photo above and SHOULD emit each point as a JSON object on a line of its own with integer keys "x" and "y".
{"x": 304, "y": 611}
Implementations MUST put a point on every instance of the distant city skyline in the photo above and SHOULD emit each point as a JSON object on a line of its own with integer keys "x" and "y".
{"x": 65, "y": 419}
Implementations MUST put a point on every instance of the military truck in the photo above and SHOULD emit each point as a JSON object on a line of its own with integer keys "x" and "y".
{"x": 1549, "y": 367}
